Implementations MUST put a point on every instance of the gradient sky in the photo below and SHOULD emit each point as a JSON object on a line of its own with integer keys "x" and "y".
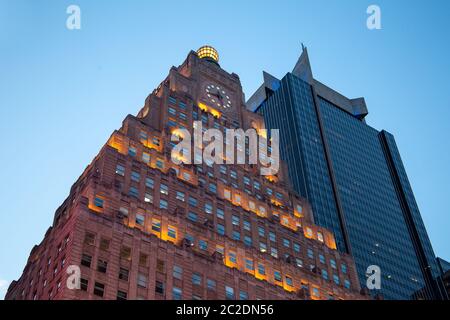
{"x": 63, "y": 92}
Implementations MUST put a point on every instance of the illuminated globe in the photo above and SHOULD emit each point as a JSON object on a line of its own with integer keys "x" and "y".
{"x": 209, "y": 53}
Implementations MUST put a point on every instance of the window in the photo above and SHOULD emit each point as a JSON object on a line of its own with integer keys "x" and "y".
{"x": 229, "y": 293}
{"x": 289, "y": 281}
{"x": 277, "y": 275}
{"x": 233, "y": 174}
{"x": 321, "y": 258}
{"x": 89, "y": 238}
{"x": 156, "y": 225}
{"x": 133, "y": 192}
{"x": 221, "y": 229}
{"x": 232, "y": 257}
{"x": 256, "y": 185}
{"x": 143, "y": 260}
{"x": 261, "y": 269}
{"x": 177, "y": 272}
{"x": 249, "y": 264}
{"x": 125, "y": 253}
{"x": 208, "y": 208}
{"x": 235, "y": 220}
{"x": 310, "y": 253}
{"x": 176, "y": 293}
{"x": 86, "y": 260}
{"x": 182, "y": 105}
{"x": 315, "y": 292}
{"x": 102, "y": 265}
{"x": 104, "y": 244}
{"x": 347, "y": 284}
{"x": 149, "y": 183}
{"x": 192, "y": 216}
{"x": 272, "y": 236}
{"x": 123, "y": 274}
{"x": 180, "y": 196}
{"x": 164, "y": 189}
{"x": 140, "y": 220}
{"x": 98, "y": 202}
{"x": 299, "y": 262}
{"x": 202, "y": 244}
{"x": 132, "y": 151}
{"x": 286, "y": 243}
{"x": 247, "y": 225}
{"x": 320, "y": 236}
{"x": 248, "y": 241}
{"x": 142, "y": 280}
{"x": 220, "y": 213}
{"x": 236, "y": 235}
{"x": 163, "y": 204}
{"x": 196, "y": 279}
{"x": 172, "y": 232}
{"x": 99, "y": 289}
{"x": 121, "y": 295}
{"x": 296, "y": 247}
{"x": 335, "y": 278}
{"x": 159, "y": 163}
{"x": 84, "y": 284}
{"x": 243, "y": 295}
{"x": 120, "y": 170}
{"x": 159, "y": 287}
{"x": 148, "y": 197}
{"x": 211, "y": 284}
{"x": 172, "y": 100}
{"x": 261, "y": 231}
{"x": 333, "y": 263}
{"x": 135, "y": 176}
{"x": 262, "y": 247}
{"x": 325, "y": 274}
{"x": 344, "y": 268}
{"x": 172, "y": 111}
{"x": 274, "y": 252}
{"x": 145, "y": 157}
{"x": 192, "y": 202}
{"x": 212, "y": 187}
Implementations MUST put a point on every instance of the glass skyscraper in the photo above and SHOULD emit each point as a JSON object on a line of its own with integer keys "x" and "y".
{"x": 354, "y": 178}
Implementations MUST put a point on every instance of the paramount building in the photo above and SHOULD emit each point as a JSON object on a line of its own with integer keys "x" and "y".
{"x": 140, "y": 226}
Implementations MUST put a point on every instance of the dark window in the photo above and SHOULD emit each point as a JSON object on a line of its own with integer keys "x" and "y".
{"x": 99, "y": 289}
{"x": 123, "y": 274}
{"x": 84, "y": 284}
{"x": 159, "y": 287}
{"x": 121, "y": 295}
{"x": 102, "y": 265}
{"x": 86, "y": 260}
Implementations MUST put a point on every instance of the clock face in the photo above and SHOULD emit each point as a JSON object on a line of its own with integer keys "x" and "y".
{"x": 217, "y": 96}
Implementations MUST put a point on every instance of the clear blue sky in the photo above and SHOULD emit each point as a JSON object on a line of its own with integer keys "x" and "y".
{"x": 63, "y": 92}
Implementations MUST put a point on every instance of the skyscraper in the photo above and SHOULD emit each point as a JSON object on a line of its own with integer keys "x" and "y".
{"x": 353, "y": 177}
{"x": 140, "y": 226}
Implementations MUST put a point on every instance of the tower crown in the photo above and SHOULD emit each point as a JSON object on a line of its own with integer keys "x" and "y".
{"x": 209, "y": 53}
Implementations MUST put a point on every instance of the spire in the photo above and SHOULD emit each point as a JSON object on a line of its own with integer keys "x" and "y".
{"x": 302, "y": 68}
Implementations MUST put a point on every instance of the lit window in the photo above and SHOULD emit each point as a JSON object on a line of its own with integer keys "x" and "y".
{"x": 172, "y": 232}
{"x": 309, "y": 232}
{"x": 232, "y": 257}
{"x": 251, "y": 205}
{"x": 164, "y": 189}
{"x": 98, "y": 202}
{"x": 277, "y": 275}
{"x": 120, "y": 170}
{"x": 261, "y": 269}
{"x": 145, "y": 157}
{"x": 148, "y": 197}
{"x": 262, "y": 247}
{"x": 227, "y": 194}
{"x": 320, "y": 236}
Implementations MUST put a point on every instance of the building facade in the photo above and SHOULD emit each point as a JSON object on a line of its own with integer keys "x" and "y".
{"x": 353, "y": 177}
{"x": 140, "y": 226}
